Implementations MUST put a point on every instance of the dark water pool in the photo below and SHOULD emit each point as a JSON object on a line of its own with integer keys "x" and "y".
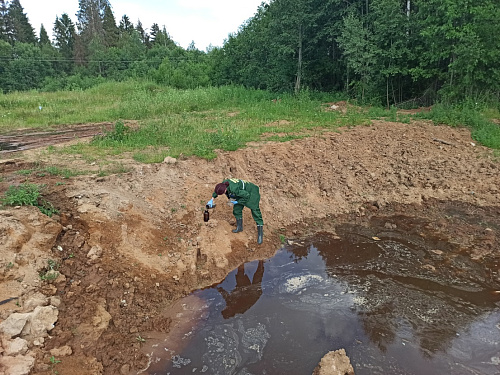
{"x": 393, "y": 305}
{"x": 9, "y": 146}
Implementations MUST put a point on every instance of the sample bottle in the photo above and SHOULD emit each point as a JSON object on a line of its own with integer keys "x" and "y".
{"x": 206, "y": 214}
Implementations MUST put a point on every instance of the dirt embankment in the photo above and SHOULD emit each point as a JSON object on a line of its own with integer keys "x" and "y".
{"x": 128, "y": 245}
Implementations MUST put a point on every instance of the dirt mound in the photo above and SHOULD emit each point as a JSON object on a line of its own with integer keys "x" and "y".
{"x": 127, "y": 246}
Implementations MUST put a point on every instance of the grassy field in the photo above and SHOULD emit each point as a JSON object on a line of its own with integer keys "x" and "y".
{"x": 196, "y": 122}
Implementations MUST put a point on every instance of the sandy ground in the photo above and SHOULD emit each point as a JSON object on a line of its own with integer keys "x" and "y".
{"x": 128, "y": 246}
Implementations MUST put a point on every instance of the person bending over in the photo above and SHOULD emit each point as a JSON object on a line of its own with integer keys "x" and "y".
{"x": 241, "y": 194}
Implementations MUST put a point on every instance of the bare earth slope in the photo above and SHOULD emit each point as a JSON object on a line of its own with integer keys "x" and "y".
{"x": 129, "y": 245}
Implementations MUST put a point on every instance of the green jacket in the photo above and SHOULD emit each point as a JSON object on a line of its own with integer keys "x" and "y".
{"x": 246, "y": 193}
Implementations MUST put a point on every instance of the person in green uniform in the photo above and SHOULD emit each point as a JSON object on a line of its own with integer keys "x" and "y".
{"x": 241, "y": 194}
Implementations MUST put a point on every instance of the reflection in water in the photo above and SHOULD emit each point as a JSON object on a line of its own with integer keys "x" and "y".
{"x": 393, "y": 305}
{"x": 400, "y": 290}
{"x": 246, "y": 292}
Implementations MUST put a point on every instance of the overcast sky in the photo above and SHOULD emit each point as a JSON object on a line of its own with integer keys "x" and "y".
{"x": 203, "y": 21}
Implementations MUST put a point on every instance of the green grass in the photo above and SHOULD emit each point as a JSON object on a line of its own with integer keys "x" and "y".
{"x": 478, "y": 120}
{"x": 113, "y": 101}
{"x": 199, "y": 122}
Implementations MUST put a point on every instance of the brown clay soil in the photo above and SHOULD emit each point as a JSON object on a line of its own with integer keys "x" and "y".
{"x": 129, "y": 245}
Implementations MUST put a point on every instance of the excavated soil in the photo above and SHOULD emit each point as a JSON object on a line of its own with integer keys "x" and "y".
{"x": 129, "y": 245}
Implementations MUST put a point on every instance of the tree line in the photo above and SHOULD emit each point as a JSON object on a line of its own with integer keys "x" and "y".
{"x": 378, "y": 51}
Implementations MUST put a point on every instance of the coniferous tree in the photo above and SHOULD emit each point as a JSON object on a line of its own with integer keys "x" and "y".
{"x": 125, "y": 25}
{"x": 145, "y": 38}
{"x": 21, "y": 29}
{"x": 80, "y": 51}
{"x": 64, "y": 36}
{"x": 90, "y": 17}
{"x": 111, "y": 32}
{"x": 155, "y": 30}
{"x": 6, "y": 51}
{"x": 49, "y": 53}
{"x": 4, "y": 23}
{"x": 91, "y": 37}
{"x": 160, "y": 37}
{"x": 44, "y": 37}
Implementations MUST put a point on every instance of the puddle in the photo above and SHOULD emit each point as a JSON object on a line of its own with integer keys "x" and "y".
{"x": 393, "y": 305}
{"x": 6, "y": 146}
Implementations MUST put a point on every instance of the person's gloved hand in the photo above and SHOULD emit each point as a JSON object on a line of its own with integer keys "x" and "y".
{"x": 210, "y": 203}
{"x": 232, "y": 202}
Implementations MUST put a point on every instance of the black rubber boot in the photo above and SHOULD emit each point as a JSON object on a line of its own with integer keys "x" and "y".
{"x": 239, "y": 226}
{"x": 260, "y": 234}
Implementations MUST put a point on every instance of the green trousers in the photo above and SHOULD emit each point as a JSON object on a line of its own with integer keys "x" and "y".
{"x": 256, "y": 214}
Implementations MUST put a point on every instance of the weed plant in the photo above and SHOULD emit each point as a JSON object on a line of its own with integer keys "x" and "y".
{"x": 50, "y": 272}
{"x": 28, "y": 194}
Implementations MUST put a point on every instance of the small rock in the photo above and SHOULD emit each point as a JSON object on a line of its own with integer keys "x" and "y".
{"x": 38, "y": 299}
{"x": 15, "y": 347}
{"x": 63, "y": 351}
{"x": 42, "y": 320}
{"x": 95, "y": 252}
{"x": 38, "y": 341}
{"x": 334, "y": 363}
{"x": 14, "y": 324}
{"x": 55, "y": 301}
{"x": 19, "y": 365}
{"x": 169, "y": 160}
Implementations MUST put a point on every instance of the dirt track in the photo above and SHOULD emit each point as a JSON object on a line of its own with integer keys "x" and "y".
{"x": 129, "y": 245}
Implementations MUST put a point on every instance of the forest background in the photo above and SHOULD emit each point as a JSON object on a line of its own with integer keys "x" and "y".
{"x": 380, "y": 52}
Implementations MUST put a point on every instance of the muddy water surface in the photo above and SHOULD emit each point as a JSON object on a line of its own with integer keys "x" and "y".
{"x": 398, "y": 305}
